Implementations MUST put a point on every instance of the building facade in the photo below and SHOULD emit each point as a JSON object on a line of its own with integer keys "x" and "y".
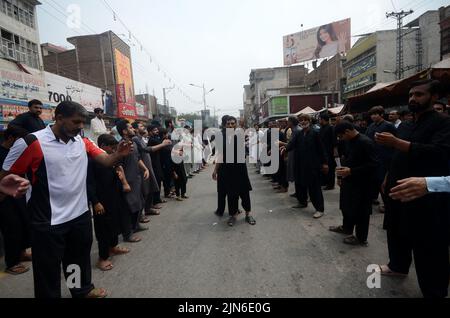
{"x": 444, "y": 16}
{"x": 373, "y": 58}
{"x": 102, "y": 60}
{"x": 19, "y": 40}
{"x": 268, "y": 82}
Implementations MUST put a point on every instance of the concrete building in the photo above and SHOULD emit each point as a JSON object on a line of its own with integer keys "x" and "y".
{"x": 102, "y": 60}
{"x": 19, "y": 40}
{"x": 268, "y": 82}
{"x": 328, "y": 76}
{"x": 444, "y": 16}
{"x": 428, "y": 39}
{"x": 373, "y": 58}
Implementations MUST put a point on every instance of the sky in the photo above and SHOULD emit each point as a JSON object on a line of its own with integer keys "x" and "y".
{"x": 211, "y": 42}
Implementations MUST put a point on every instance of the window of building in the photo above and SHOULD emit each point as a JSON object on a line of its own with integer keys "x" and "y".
{"x": 23, "y": 12}
{"x": 17, "y": 48}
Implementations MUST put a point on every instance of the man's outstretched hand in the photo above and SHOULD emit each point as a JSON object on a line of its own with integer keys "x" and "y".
{"x": 125, "y": 148}
{"x": 14, "y": 186}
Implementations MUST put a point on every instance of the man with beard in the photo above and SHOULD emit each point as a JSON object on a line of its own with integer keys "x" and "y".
{"x": 380, "y": 125}
{"x": 154, "y": 140}
{"x": 420, "y": 227}
{"x": 135, "y": 173}
{"x": 150, "y": 187}
{"x": 30, "y": 121}
{"x": 56, "y": 161}
{"x": 234, "y": 174}
{"x": 328, "y": 138}
{"x": 311, "y": 161}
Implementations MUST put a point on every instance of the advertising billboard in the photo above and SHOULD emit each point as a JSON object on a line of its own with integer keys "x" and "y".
{"x": 321, "y": 42}
{"x": 279, "y": 106}
{"x": 16, "y": 85}
{"x": 61, "y": 89}
{"x": 126, "y": 102}
{"x": 9, "y": 112}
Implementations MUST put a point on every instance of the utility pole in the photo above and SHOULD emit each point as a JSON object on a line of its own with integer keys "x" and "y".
{"x": 399, "y": 16}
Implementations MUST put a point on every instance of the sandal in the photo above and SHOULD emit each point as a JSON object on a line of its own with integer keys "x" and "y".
{"x": 231, "y": 221}
{"x": 97, "y": 293}
{"x": 144, "y": 220}
{"x": 105, "y": 268}
{"x": 133, "y": 239}
{"x": 153, "y": 212}
{"x": 351, "y": 240}
{"x": 118, "y": 250}
{"x": 338, "y": 229}
{"x": 18, "y": 269}
{"x": 386, "y": 271}
{"x": 26, "y": 257}
{"x": 250, "y": 220}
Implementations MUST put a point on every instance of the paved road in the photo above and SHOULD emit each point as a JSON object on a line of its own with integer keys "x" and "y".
{"x": 190, "y": 253}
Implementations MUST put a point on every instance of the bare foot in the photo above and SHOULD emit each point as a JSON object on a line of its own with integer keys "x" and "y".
{"x": 104, "y": 265}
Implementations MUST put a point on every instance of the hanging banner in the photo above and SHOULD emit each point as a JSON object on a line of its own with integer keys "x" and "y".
{"x": 126, "y": 102}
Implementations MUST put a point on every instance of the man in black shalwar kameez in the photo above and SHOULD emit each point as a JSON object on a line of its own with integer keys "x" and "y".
{"x": 356, "y": 179}
{"x": 420, "y": 228}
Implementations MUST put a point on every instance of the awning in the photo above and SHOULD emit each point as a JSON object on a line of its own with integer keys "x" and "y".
{"x": 396, "y": 93}
{"x": 337, "y": 110}
{"x": 307, "y": 111}
{"x": 443, "y": 64}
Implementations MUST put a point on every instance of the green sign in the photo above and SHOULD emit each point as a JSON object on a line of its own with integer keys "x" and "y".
{"x": 279, "y": 106}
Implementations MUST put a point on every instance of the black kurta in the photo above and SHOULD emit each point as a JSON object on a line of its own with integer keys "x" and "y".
{"x": 310, "y": 156}
{"x": 233, "y": 176}
{"x": 356, "y": 190}
{"x": 425, "y": 219}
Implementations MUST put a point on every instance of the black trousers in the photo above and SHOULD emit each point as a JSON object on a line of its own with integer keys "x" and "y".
{"x": 180, "y": 187}
{"x": 314, "y": 190}
{"x": 157, "y": 195}
{"x": 233, "y": 202}
{"x": 282, "y": 174}
{"x": 125, "y": 220}
{"x": 15, "y": 228}
{"x": 329, "y": 179}
{"x": 106, "y": 234}
{"x": 167, "y": 181}
{"x": 221, "y": 202}
{"x": 70, "y": 244}
{"x": 431, "y": 260}
{"x": 148, "y": 202}
{"x": 135, "y": 219}
{"x": 358, "y": 222}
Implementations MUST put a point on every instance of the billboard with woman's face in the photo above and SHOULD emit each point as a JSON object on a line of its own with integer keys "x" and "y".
{"x": 321, "y": 42}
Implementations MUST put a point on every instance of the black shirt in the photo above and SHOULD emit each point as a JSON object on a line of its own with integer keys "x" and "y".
{"x": 384, "y": 153}
{"x": 428, "y": 156}
{"x": 29, "y": 122}
{"x": 3, "y": 154}
{"x": 361, "y": 158}
{"x": 328, "y": 139}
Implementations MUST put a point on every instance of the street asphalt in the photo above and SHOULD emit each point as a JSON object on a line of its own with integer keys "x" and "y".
{"x": 189, "y": 252}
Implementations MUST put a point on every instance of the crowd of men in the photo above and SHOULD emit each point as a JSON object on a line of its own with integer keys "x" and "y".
{"x": 401, "y": 158}
{"x": 120, "y": 179}
{"x": 126, "y": 175}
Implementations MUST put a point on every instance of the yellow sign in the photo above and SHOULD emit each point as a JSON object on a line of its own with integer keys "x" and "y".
{"x": 124, "y": 76}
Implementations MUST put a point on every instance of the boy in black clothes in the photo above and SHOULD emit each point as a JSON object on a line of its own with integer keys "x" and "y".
{"x": 105, "y": 192}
